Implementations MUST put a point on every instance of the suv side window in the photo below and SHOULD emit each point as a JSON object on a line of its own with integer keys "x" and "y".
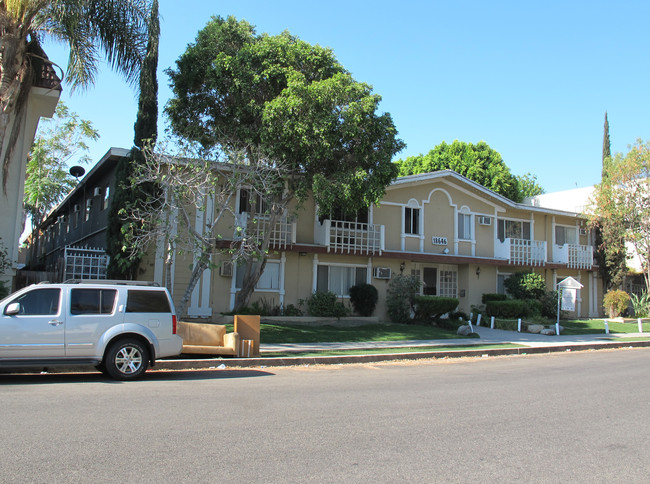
{"x": 39, "y": 302}
{"x": 143, "y": 301}
{"x": 92, "y": 301}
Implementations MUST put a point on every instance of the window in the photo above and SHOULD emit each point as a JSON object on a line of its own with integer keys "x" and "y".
{"x": 565, "y": 235}
{"x": 269, "y": 280}
{"x": 250, "y": 202}
{"x": 106, "y": 196}
{"x": 39, "y": 302}
{"x": 92, "y": 301}
{"x": 464, "y": 226}
{"x": 143, "y": 301}
{"x": 89, "y": 205}
{"x": 412, "y": 221}
{"x": 339, "y": 279}
{"x": 501, "y": 283}
{"x": 513, "y": 229}
{"x": 448, "y": 282}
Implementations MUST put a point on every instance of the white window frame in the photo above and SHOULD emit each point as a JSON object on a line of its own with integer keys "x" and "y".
{"x": 468, "y": 224}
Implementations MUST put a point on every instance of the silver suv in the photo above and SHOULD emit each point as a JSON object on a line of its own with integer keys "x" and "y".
{"x": 120, "y": 327}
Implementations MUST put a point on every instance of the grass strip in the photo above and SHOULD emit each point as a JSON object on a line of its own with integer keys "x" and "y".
{"x": 383, "y": 351}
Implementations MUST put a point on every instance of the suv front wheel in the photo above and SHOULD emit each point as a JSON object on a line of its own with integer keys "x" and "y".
{"x": 126, "y": 359}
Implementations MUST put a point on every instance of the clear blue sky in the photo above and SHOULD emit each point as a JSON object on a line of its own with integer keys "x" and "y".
{"x": 533, "y": 80}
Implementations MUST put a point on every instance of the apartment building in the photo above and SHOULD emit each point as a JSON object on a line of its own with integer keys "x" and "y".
{"x": 459, "y": 238}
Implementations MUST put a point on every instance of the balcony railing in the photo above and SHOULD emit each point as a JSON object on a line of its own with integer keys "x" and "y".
{"x": 521, "y": 251}
{"x": 350, "y": 237}
{"x": 283, "y": 233}
{"x": 574, "y": 256}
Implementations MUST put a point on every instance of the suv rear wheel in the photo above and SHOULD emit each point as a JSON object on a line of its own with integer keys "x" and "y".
{"x": 126, "y": 359}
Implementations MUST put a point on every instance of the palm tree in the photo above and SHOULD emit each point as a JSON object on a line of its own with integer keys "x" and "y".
{"x": 115, "y": 28}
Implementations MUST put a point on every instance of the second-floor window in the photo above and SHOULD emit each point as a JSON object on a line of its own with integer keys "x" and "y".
{"x": 107, "y": 191}
{"x": 513, "y": 229}
{"x": 464, "y": 226}
{"x": 251, "y": 202}
{"x": 89, "y": 205}
{"x": 411, "y": 221}
{"x": 565, "y": 235}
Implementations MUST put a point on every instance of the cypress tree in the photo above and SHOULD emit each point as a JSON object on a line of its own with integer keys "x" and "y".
{"x": 607, "y": 152}
{"x": 123, "y": 262}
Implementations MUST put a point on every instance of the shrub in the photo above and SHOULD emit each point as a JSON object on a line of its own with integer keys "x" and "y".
{"x": 615, "y": 302}
{"x": 525, "y": 285}
{"x": 291, "y": 310}
{"x": 641, "y": 305}
{"x": 325, "y": 304}
{"x": 549, "y": 304}
{"x": 459, "y": 315}
{"x": 513, "y": 308}
{"x": 492, "y": 297}
{"x": 401, "y": 296}
{"x": 428, "y": 307}
{"x": 364, "y": 298}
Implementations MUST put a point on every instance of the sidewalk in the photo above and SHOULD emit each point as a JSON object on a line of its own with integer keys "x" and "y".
{"x": 529, "y": 344}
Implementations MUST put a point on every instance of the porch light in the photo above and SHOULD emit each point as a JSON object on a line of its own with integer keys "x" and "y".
{"x": 478, "y": 272}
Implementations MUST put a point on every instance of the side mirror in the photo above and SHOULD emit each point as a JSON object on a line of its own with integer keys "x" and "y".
{"x": 12, "y": 309}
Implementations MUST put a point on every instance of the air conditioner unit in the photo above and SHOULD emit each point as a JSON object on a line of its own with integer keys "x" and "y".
{"x": 382, "y": 272}
{"x": 225, "y": 269}
{"x": 483, "y": 220}
{"x": 97, "y": 192}
{"x": 583, "y": 231}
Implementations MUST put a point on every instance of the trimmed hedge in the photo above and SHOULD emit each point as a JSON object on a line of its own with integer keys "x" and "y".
{"x": 433, "y": 306}
{"x": 513, "y": 308}
{"x": 487, "y": 297}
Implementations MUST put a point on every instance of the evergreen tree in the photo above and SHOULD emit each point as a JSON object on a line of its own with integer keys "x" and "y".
{"x": 611, "y": 254}
{"x": 607, "y": 152}
{"x": 124, "y": 262}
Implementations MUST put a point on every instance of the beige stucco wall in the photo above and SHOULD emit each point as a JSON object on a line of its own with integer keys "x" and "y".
{"x": 41, "y": 103}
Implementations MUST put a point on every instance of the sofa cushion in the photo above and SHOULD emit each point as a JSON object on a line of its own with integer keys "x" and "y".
{"x": 201, "y": 334}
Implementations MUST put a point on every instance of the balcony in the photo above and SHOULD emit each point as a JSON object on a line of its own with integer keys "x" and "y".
{"x": 283, "y": 233}
{"x": 350, "y": 237}
{"x": 574, "y": 256}
{"x": 521, "y": 251}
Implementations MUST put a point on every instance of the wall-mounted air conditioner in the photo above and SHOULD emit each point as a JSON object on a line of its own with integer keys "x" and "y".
{"x": 381, "y": 272}
{"x": 225, "y": 269}
{"x": 483, "y": 220}
{"x": 97, "y": 192}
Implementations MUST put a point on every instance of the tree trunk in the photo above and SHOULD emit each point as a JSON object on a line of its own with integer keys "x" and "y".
{"x": 197, "y": 272}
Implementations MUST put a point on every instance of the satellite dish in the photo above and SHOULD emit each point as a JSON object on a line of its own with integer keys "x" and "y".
{"x": 77, "y": 171}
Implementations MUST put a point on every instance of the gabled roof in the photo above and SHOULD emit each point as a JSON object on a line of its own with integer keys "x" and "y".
{"x": 452, "y": 176}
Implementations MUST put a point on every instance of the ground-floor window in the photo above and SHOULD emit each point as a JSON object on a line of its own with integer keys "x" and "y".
{"x": 440, "y": 281}
{"x": 269, "y": 280}
{"x": 501, "y": 283}
{"x": 339, "y": 279}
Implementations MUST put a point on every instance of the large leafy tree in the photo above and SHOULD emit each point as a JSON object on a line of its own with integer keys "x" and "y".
{"x": 116, "y": 28}
{"x": 286, "y": 104}
{"x": 478, "y": 162}
{"x": 58, "y": 142}
{"x": 623, "y": 199}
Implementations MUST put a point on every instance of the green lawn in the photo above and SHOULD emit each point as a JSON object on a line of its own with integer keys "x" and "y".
{"x": 275, "y": 333}
{"x": 597, "y": 326}
{"x": 376, "y": 351}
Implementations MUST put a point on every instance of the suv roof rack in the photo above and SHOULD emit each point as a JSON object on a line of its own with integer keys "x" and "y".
{"x": 112, "y": 282}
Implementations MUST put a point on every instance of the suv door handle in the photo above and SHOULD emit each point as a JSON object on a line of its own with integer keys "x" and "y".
{"x": 54, "y": 322}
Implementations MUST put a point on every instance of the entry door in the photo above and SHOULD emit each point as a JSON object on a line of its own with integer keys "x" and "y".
{"x": 37, "y": 331}
{"x": 430, "y": 279}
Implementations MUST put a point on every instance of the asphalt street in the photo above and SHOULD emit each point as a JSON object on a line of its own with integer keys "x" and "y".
{"x": 563, "y": 417}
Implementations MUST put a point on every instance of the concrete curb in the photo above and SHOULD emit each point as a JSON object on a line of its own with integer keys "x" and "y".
{"x": 215, "y": 363}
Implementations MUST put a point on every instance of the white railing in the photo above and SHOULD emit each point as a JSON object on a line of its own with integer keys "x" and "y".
{"x": 351, "y": 237}
{"x": 283, "y": 233}
{"x": 521, "y": 251}
{"x": 574, "y": 256}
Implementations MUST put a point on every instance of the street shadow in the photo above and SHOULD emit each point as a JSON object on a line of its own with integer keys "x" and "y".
{"x": 45, "y": 378}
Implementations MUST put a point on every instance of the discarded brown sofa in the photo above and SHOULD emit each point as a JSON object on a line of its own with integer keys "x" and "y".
{"x": 207, "y": 339}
